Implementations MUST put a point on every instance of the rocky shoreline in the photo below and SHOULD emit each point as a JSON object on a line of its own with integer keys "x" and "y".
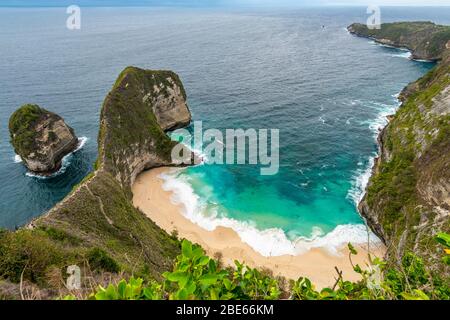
{"x": 407, "y": 198}
{"x": 426, "y": 40}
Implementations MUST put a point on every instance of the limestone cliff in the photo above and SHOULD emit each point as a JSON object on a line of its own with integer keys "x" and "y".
{"x": 425, "y": 40}
{"x": 408, "y": 195}
{"x": 97, "y": 223}
{"x": 142, "y": 105}
{"x": 41, "y": 138}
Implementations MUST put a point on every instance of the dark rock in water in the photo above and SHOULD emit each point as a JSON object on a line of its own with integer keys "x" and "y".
{"x": 41, "y": 138}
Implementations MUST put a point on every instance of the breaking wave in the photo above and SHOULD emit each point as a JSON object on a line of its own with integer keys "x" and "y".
{"x": 65, "y": 162}
{"x": 268, "y": 242}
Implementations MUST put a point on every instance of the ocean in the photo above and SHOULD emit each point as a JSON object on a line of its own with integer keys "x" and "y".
{"x": 298, "y": 71}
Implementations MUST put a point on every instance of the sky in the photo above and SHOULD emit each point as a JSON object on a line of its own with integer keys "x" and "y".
{"x": 207, "y": 3}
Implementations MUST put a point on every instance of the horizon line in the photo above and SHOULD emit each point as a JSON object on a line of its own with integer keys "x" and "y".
{"x": 225, "y": 6}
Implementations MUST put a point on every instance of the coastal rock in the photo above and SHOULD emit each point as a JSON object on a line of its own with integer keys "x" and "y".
{"x": 170, "y": 107}
{"x": 425, "y": 40}
{"x": 408, "y": 196}
{"x": 41, "y": 138}
{"x": 140, "y": 108}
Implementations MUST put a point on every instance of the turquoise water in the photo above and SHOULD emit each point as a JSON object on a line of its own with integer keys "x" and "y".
{"x": 326, "y": 91}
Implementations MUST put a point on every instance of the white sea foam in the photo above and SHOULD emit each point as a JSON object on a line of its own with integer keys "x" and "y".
{"x": 406, "y": 55}
{"x": 387, "y": 45}
{"x": 423, "y": 60}
{"x": 322, "y": 120}
{"x": 17, "y": 159}
{"x": 404, "y": 52}
{"x": 362, "y": 175}
{"x": 65, "y": 162}
{"x": 269, "y": 242}
{"x": 81, "y": 143}
{"x": 384, "y": 110}
{"x": 359, "y": 182}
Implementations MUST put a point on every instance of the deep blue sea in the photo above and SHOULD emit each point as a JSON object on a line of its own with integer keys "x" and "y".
{"x": 295, "y": 70}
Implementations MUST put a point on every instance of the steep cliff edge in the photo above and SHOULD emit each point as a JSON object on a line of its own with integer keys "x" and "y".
{"x": 425, "y": 40}
{"x": 135, "y": 115}
{"x": 97, "y": 224}
{"x": 41, "y": 138}
{"x": 408, "y": 196}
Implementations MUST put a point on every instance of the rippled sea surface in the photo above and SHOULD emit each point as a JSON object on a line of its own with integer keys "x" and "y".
{"x": 295, "y": 70}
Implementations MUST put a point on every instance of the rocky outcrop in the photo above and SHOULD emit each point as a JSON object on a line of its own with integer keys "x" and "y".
{"x": 425, "y": 40}
{"x": 131, "y": 139}
{"x": 135, "y": 115}
{"x": 169, "y": 108}
{"x": 41, "y": 138}
{"x": 408, "y": 196}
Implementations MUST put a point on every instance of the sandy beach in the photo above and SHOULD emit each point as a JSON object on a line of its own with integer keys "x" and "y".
{"x": 316, "y": 264}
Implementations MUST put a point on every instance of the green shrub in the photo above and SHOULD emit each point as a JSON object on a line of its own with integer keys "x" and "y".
{"x": 99, "y": 259}
{"x": 21, "y": 127}
{"x": 61, "y": 235}
{"x": 28, "y": 253}
{"x": 196, "y": 276}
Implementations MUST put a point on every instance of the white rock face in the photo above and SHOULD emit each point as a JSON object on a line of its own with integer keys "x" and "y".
{"x": 170, "y": 109}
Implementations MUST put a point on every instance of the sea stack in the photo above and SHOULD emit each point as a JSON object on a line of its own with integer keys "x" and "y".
{"x": 41, "y": 138}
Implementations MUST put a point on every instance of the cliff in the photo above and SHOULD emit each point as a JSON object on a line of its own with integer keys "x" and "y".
{"x": 425, "y": 40}
{"x": 408, "y": 196}
{"x": 135, "y": 115}
{"x": 41, "y": 138}
{"x": 96, "y": 226}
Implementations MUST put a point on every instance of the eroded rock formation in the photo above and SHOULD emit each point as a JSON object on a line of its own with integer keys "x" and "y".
{"x": 41, "y": 138}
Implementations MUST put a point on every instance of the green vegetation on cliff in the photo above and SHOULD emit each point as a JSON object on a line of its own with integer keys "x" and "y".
{"x": 21, "y": 127}
{"x": 41, "y": 138}
{"x": 412, "y": 131}
{"x": 426, "y": 40}
{"x": 128, "y": 120}
{"x": 407, "y": 200}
